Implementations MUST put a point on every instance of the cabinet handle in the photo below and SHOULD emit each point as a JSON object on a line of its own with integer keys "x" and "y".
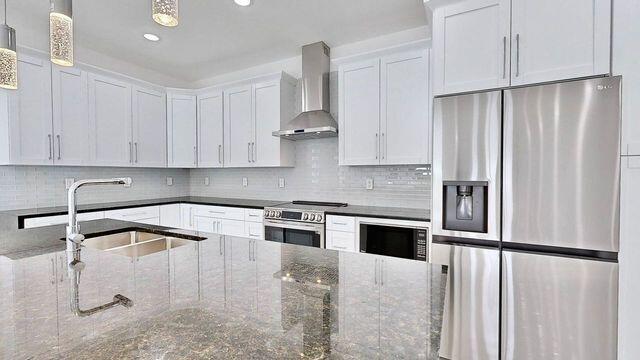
{"x": 249, "y": 152}
{"x": 191, "y": 217}
{"x": 136, "y": 145}
{"x": 130, "y": 152}
{"x": 50, "y": 146}
{"x": 59, "y": 147}
{"x": 383, "y": 146}
{"x": 375, "y": 273}
{"x": 377, "y": 147}
{"x": 517, "y": 55}
{"x": 62, "y": 263}
{"x": 250, "y": 249}
{"x": 220, "y": 154}
{"x": 195, "y": 155}
{"x": 254, "y": 153}
{"x": 504, "y": 57}
{"x": 53, "y": 271}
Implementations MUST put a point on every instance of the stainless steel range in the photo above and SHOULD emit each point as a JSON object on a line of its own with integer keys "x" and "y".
{"x": 298, "y": 222}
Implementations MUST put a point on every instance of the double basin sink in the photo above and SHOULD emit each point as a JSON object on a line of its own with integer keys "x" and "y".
{"x": 134, "y": 243}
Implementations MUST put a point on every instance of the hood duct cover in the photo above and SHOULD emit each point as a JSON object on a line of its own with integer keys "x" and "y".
{"x": 314, "y": 121}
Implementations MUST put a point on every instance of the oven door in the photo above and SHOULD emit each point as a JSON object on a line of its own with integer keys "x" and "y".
{"x": 291, "y": 232}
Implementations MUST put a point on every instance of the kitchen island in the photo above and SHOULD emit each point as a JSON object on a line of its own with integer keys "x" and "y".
{"x": 214, "y": 297}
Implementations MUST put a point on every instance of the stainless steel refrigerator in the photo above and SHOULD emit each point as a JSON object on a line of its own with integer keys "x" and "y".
{"x": 526, "y": 214}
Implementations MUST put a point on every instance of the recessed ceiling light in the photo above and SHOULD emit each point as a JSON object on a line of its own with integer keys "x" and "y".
{"x": 152, "y": 37}
{"x": 243, "y": 2}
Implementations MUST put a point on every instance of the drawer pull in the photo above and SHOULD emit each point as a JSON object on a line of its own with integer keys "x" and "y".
{"x": 340, "y": 223}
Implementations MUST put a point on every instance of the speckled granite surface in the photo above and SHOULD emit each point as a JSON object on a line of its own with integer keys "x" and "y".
{"x": 224, "y": 298}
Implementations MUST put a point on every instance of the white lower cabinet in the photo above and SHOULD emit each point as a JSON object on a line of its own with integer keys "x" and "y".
{"x": 373, "y": 291}
{"x": 170, "y": 215}
{"x": 144, "y": 215}
{"x": 254, "y": 230}
{"x": 341, "y": 241}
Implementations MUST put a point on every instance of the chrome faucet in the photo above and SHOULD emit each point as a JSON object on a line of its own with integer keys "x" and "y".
{"x": 74, "y": 242}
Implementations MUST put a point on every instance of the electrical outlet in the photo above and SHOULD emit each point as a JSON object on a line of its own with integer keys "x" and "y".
{"x": 169, "y": 181}
{"x": 245, "y": 182}
{"x": 68, "y": 182}
{"x": 369, "y": 184}
{"x": 206, "y": 181}
{"x": 281, "y": 183}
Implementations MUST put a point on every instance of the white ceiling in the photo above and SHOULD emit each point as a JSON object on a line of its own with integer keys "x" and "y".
{"x": 217, "y": 36}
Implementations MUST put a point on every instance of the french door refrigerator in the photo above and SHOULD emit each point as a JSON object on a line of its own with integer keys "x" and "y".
{"x": 557, "y": 229}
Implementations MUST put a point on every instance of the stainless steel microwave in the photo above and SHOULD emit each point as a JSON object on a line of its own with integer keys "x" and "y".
{"x": 396, "y": 238}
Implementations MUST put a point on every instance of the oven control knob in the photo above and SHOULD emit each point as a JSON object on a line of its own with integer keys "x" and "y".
{"x": 305, "y": 216}
{"x": 312, "y": 217}
{"x": 268, "y": 213}
{"x": 319, "y": 218}
{"x": 278, "y": 214}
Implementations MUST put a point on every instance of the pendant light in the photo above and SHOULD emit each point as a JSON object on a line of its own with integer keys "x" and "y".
{"x": 165, "y": 12}
{"x": 61, "y": 32}
{"x": 8, "y": 56}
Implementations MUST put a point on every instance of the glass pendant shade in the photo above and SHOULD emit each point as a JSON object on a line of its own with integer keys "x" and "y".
{"x": 8, "y": 58}
{"x": 165, "y": 12}
{"x": 61, "y": 32}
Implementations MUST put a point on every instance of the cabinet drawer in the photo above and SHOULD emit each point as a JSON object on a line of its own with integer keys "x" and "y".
{"x": 253, "y": 215}
{"x": 134, "y": 214}
{"x": 341, "y": 241}
{"x": 60, "y": 219}
{"x": 220, "y": 212}
{"x": 254, "y": 230}
{"x": 341, "y": 223}
{"x": 232, "y": 227}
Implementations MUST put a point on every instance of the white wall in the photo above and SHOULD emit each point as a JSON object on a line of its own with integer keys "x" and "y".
{"x": 626, "y": 62}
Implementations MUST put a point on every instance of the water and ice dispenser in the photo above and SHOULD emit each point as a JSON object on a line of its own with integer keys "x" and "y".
{"x": 465, "y": 206}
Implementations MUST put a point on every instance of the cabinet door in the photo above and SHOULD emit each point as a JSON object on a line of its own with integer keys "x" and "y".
{"x": 241, "y": 286}
{"x": 212, "y": 272}
{"x": 573, "y": 42}
{"x": 30, "y": 114}
{"x": 183, "y": 266}
{"x": 186, "y": 216}
{"x": 266, "y": 107}
{"x": 267, "y": 255}
{"x": 238, "y": 125}
{"x": 110, "y": 121}
{"x": 70, "y": 116}
{"x": 405, "y": 309}
{"x": 35, "y": 306}
{"x": 341, "y": 241}
{"x": 404, "y": 109}
{"x": 254, "y": 230}
{"x": 170, "y": 215}
{"x": 471, "y": 46}
{"x": 181, "y": 118}
{"x": 210, "y": 130}
{"x": 231, "y": 227}
{"x": 360, "y": 301}
{"x": 359, "y": 113}
{"x": 629, "y": 317}
{"x": 149, "y": 128}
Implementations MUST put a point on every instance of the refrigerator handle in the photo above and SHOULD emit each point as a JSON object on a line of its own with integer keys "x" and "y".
{"x": 507, "y": 307}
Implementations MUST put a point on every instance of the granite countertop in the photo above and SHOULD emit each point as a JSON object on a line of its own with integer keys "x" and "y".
{"x": 383, "y": 212}
{"x": 11, "y": 217}
{"x": 217, "y": 297}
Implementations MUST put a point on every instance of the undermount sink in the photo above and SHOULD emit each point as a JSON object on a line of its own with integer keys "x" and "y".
{"x": 134, "y": 243}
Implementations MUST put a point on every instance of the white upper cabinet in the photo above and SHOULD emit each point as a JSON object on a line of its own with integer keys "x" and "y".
{"x": 404, "y": 116}
{"x": 182, "y": 141}
{"x": 210, "y": 130}
{"x": 272, "y": 108}
{"x": 359, "y": 113}
{"x": 70, "y": 116}
{"x": 238, "y": 124}
{"x": 384, "y": 110}
{"x": 484, "y": 44}
{"x": 149, "y": 128}
{"x": 110, "y": 121}
{"x": 556, "y": 40}
{"x": 27, "y": 133}
{"x": 471, "y": 46}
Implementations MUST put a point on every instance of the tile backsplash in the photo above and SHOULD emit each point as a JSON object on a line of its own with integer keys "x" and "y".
{"x": 41, "y": 186}
{"x": 317, "y": 176}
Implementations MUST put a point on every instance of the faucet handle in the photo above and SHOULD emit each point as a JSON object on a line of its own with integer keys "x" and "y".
{"x": 76, "y": 238}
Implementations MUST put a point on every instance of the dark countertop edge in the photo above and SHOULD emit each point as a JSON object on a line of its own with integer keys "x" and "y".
{"x": 359, "y": 211}
{"x": 346, "y": 212}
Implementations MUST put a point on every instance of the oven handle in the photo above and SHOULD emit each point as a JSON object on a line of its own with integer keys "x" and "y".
{"x": 289, "y": 225}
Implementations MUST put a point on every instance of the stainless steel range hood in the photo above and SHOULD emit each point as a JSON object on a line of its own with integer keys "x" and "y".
{"x": 315, "y": 121}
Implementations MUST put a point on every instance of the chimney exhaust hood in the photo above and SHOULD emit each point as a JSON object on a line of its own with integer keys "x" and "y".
{"x": 315, "y": 121}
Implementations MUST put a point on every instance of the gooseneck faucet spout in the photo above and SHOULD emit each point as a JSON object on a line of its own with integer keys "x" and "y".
{"x": 74, "y": 242}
